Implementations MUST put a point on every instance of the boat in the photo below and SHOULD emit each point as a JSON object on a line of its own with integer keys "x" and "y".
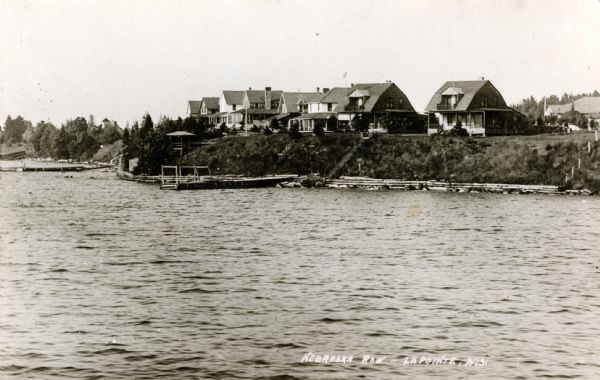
{"x": 200, "y": 178}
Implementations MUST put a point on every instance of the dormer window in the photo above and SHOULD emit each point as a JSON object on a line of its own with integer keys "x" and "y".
{"x": 451, "y": 96}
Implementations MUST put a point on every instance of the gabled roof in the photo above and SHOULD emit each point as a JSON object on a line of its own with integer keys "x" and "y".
{"x": 335, "y": 95}
{"x": 194, "y": 106}
{"x": 292, "y": 99}
{"x": 468, "y": 87}
{"x": 359, "y": 93}
{"x": 212, "y": 103}
{"x": 586, "y": 105}
{"x": 256, "y": 96}
{"x": 234, "y": 97}
{"x": 589, "y": 104}
{"x": 372, "y": 91}
{"x": 559, "y": 108}
{"x": 453, "y": 91}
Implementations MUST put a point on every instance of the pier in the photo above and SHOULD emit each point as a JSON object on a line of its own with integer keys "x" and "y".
{"x": 396, "y": 184}
{"x": 201, "y": 178}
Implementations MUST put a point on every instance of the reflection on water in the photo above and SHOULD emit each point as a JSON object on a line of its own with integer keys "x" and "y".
{"x": 101, "y": 278}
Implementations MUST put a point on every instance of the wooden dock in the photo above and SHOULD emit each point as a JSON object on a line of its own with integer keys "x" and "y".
{"x": 227, "y": 183}
{"x": 200, "y": 178}
{"x": 396, "y": 184}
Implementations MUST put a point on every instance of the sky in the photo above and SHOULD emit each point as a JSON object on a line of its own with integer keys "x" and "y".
{"x": 122, "y": 58}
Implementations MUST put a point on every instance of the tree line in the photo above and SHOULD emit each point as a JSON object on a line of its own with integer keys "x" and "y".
{"x": 77, "y": 139}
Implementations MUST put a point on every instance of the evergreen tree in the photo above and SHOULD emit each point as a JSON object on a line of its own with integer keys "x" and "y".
{"x": 318, "y": 130}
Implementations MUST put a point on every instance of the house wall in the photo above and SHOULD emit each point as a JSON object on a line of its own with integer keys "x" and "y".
{"x": 224, "y": 107}
{"x": 469, "y": 120}
{"x": 321, "y": 107}
{"x": 401, "y": 102}
{"x": 489, "y": 97}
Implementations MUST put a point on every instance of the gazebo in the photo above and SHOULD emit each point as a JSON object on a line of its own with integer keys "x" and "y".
{"x": 181, "y": 141}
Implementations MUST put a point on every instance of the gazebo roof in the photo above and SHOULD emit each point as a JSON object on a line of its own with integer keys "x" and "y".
{"x": 180, "y": 133}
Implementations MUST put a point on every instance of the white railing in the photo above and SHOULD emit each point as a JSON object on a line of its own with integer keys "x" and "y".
{"x": 182, "y": 174}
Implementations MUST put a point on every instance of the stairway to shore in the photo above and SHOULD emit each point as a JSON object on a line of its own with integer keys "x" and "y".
{"x": 347, "y": 157}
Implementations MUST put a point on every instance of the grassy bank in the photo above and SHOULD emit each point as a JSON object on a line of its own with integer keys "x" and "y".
{"x": 276, "y": 154}
{"x": 540, "y": 160}
{"x": 501, "y": 160}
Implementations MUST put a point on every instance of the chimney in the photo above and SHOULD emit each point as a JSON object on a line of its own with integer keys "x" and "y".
{"x": 388, "y": 81}
{"x": 351, "y": 84}
{"x": 482, "y": 78}
{"x": 249, "y": 88}
{"x": 267, "y": 98}
{"x": 318, "y": 90}
{"x": 325, "y": 90}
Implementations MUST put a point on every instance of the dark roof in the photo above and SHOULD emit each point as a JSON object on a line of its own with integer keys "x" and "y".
{"x": 194, "y": 106}
{"x": 257, "y": 111}
{"x": 212, "y": 103}
{"x": 374, "y": 91}
{"x": 335, "y": 95}
{"x": 315, "y": 116}
{"x": 292, "y": 98}
{"x": 258, "y": 96}
{"x": 234, "y": 97}
{"x": 469, "y": 88}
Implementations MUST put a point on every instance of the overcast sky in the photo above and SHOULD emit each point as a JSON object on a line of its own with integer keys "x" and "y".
{"x": 121, "y": 58}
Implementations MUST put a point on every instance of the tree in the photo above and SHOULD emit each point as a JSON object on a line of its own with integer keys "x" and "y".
{"x": 360, "y": 123}
{"x": 274, "y": 124}
{"x": 295, "y": 130}
{"x": 318, "y": 130}
{"x": 267, "y": 131}
{"x": 134, "y": 138}
{"x": 14, "y": 129}
{"x": 331, "y": 123}
{"x": 126, "y": 141}
{"x": 458, "y": 130}
{"x": 43, "y": 139}
{"x": 146, "y": 128}
{"x": 110, "y": 133}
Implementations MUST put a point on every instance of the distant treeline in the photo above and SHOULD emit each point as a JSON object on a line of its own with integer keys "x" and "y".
{"x": 76, "y": 139}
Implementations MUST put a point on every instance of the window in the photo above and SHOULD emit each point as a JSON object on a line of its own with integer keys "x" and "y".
{"x": 389, "y": 102}
{"x": 329, "y": 107}
{"x": 484, "y": 101}
{"x": 233, "y": 107}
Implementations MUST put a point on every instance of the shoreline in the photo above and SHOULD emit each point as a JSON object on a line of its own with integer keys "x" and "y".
{"x": 48, "y": 166}
{"x": 378, "y": 184}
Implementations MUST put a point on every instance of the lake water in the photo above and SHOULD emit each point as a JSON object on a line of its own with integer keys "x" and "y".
{"x": 106, "y": 279}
